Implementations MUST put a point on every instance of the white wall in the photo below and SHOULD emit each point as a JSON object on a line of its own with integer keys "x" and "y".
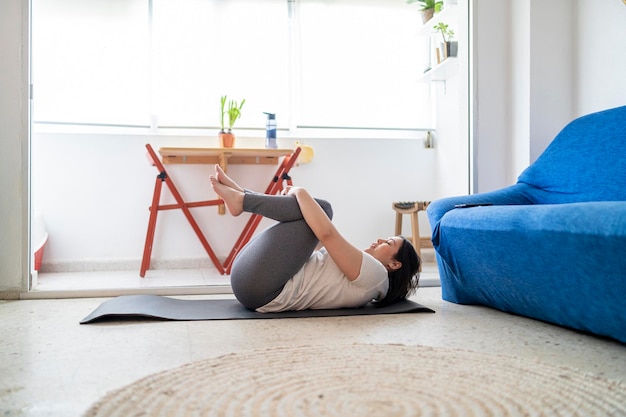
{"x": 452, "y": 118}
{"x": 538, "y": 66}
{"x": 543, "y": 79}
{"x": 526, "y": 82}
{"x": 13, "y": 172}
{"x": 451, "y": 144}
{"x": 518, "y": 154}
{"x": 601, "y": 55}
{"x": 552, "y": 71}
{"x": 94, "y": 192}
{"x": 492, "y": 88}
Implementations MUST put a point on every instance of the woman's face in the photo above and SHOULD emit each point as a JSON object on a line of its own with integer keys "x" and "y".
{"x": 385, "y": 250}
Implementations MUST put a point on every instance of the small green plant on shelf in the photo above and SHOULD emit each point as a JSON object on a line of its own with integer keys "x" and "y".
{"x": 446, "y": 33}
{"x": 449, "y": 48}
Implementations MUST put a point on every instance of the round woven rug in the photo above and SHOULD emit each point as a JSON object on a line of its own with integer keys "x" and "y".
{"x": 366, "y": 380}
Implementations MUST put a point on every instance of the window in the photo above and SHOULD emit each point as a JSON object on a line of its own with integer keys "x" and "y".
{"x": 90, "y": 61}
{"x": 360, "y": 60}
{"x": 204, "y": 49}
{"x": 316, "y": 63}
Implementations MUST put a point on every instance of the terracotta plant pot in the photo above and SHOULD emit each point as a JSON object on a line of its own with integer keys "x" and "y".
{"x": 227, "y": 140}
{"x": 427, "y": 14}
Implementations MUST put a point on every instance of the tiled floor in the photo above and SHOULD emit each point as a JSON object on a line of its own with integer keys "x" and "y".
{"x": 52, "y": 366}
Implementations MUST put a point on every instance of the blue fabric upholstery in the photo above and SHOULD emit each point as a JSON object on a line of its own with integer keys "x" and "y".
{"x": 553, "y": 246}
{"x": 585, "y": 162}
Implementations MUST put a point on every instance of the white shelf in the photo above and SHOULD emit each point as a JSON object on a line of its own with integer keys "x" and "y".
{"x": 446, "y": 69}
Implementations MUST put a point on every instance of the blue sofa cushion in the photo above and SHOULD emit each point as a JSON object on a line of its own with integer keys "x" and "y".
{"x": 585, "y": 162}
{"x": 562, "y": 263}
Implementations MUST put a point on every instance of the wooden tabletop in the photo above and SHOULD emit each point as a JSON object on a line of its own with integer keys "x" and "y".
{"x": 223, "y": 156}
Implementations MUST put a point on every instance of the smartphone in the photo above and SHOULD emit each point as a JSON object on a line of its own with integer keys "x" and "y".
{"x": 472, "y": 205}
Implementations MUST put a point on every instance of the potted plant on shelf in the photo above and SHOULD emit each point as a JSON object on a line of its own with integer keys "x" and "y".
{"x": 233, "y": 111}
{"x": 429, "y": 8}
{"x": 449, "y": 47}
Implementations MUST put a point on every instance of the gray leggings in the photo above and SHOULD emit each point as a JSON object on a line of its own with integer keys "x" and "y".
{"x": 263, "y": 267}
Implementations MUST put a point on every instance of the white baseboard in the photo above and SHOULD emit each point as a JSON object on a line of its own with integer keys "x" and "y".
{"x": 91, "y": 265}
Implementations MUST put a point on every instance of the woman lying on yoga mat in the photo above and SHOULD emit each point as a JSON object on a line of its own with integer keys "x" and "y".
{"x": 280, "y": 268}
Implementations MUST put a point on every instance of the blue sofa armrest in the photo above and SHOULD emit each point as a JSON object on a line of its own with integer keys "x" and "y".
{"x": 513, "y": 195}
{"x": 560, "y": 263}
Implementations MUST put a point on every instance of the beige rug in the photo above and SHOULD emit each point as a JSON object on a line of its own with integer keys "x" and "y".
{"x": 366, "y": 380}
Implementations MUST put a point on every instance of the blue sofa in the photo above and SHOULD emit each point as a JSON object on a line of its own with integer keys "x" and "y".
{"x": 552, "y": 246}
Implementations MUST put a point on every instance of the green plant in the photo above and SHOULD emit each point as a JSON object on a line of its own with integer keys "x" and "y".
{"x": 222, "y": 105}
{"x": 233, "y": 111}
{"x": 427, "y": 4}
{"x": 446, "y": 33}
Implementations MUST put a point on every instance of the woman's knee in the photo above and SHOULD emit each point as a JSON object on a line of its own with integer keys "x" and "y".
{"x": 245, "y": 294}
{"x": 252, "y": 290}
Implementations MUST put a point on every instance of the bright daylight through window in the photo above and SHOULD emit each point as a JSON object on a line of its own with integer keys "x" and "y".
{"x": 316, "y": 63}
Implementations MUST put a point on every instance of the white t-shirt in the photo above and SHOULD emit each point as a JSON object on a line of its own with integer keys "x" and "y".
{"x": 320, "y": 284}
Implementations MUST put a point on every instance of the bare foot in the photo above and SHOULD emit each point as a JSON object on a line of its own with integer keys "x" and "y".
{"x": 233, "y": 199}
{"x": 225, "y": 179}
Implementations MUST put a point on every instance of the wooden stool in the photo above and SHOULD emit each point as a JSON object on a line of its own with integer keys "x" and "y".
{"x": 412, "y": 208}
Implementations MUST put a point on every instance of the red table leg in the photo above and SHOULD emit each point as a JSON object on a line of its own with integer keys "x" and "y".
{"x": 164, "y": 177}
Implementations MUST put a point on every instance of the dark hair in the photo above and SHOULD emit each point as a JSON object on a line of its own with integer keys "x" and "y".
{"x": 404, "y": 281}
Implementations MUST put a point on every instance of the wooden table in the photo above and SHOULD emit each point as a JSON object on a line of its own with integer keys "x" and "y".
{"x": 285, "y": 158}
{"x": 223, "y": 156}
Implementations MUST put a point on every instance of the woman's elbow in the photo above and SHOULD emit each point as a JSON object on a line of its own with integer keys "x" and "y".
{"x": 326, "y": 234}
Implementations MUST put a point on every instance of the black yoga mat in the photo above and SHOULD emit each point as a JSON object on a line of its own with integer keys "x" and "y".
{"x": 159, "y": 307}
